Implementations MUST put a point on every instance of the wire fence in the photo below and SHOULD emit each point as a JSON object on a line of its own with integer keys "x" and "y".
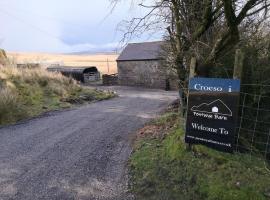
{"x": 253, "y": 131}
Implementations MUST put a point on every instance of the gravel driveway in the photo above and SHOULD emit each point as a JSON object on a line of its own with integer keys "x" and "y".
{"x": 79, "y": 153}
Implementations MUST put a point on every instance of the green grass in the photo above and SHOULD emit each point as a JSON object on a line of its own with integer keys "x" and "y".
{"x": 162, "y": 169}
{"x": 25, "y": 93}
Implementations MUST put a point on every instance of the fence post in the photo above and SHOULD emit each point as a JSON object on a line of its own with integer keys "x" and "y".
{"x": 108, "y": 66}
{"x": 237, "y": 74}
{"x": 238, "y": 64}
{"x": 267, "y": 145}
{"x": 192, "y": 68}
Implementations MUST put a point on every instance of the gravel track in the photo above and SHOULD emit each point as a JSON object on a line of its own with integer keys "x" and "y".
{"x": 79, "y": 153}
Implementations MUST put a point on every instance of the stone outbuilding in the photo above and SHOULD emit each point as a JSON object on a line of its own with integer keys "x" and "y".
{"x": 141, "y": 64}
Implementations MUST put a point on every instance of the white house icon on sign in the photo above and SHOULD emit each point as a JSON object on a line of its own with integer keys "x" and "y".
{"x": 215, "y": 109}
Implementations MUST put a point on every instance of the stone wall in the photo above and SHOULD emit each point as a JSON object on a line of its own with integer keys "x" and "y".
{"x": 173, "y": 81}
{"x": 150, "y": 73}
{"x": 29, "y": 65}
{"x": 110, "y": 79}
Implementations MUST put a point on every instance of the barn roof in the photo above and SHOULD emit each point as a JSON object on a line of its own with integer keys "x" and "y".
{"x": 70, "y": 69}
{"x": 142, "y": 51}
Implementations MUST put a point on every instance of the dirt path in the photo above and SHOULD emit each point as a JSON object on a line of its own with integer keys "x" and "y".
{"x": 79, "y": 153}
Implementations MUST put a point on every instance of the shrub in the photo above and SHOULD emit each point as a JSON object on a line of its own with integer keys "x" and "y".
{"x": 27, "y": 92}
{"x": 10, "y": 108}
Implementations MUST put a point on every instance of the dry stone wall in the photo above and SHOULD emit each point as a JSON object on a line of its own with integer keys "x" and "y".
{"x": 149, "y": 73}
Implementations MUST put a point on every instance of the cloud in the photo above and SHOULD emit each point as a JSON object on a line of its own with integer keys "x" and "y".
{"x": 93, "y": 47}
{"x": 25, "y": 32}
{"x": 62, "y": 25}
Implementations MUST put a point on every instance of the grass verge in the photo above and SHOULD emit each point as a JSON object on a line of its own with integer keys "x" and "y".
{"x": 25, "y": 93}
{"x": 162, "y": 169}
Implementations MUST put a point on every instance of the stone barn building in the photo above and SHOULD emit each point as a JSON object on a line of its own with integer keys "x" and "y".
{"x": 141, "y": 64}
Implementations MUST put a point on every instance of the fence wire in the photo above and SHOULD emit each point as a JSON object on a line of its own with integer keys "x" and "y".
{"x": 253, "y": 131}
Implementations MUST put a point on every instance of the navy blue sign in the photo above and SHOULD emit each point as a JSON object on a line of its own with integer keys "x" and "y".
{"x": 212, "y": 112}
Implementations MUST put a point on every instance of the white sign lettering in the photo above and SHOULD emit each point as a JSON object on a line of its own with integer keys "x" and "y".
{"x": 207, "y": 88}
{"x": 201, "y": 127}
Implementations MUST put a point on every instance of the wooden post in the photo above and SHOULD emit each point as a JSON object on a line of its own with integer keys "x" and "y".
{"x": 108, "y": 66}
{"x": 238, "y": 64}
{"x": 181, "y": 93}
{"x": 193, "y": 63}
{"x": 192, "y": 68}
{"x": 237, "y": 73}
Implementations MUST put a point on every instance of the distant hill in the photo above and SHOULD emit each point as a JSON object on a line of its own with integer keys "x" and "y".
{"x": 105, "y": 62}
{"x": 94, "y": 52}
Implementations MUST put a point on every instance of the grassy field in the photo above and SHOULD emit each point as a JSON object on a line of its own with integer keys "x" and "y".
{"x": 106, "y": 63}
{"x": 163, "y": 169}
{"x": 25, "y": 93}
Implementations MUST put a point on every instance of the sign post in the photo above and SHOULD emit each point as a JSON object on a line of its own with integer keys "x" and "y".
{"x": 212, "y": 112}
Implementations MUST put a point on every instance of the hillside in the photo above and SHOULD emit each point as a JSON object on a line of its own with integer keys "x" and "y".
{"x": 25, "y": 93}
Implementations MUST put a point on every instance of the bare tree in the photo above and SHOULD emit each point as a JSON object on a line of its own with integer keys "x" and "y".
{"x": 205, "y": 29}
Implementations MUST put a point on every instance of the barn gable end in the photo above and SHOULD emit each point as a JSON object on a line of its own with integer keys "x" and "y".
{"x": 141, "y": 64}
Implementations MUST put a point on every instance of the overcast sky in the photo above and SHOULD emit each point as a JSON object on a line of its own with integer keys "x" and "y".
{"x": 63, "y": 25}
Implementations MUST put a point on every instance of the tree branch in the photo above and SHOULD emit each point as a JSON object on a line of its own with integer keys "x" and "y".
{"x": 249, "y": 5}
